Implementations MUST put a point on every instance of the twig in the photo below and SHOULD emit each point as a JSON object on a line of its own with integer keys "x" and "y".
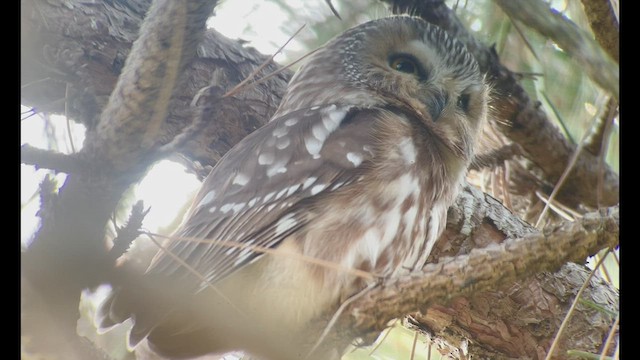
{"x": 129, "y": 232}
{"x": 47, "y": 159}
{"x": 337, "y": 314}
{"x": 333, "y": 10}
{"x": 66, "y": 115}
{"x": 565, "y": 174}
{"x": 413, "y": 348}
{"x": 197, "y": 274}
{"x": 604, "y": 145}
{"x": 262, "y": 66}
{"x": 496, "y": 157}
{"x": 607, "y": 343}
{"x": 384, "y": 337}
{"x": 266, "y": 250}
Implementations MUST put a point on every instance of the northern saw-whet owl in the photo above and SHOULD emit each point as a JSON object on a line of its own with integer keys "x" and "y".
{"x": 356, "y": 170}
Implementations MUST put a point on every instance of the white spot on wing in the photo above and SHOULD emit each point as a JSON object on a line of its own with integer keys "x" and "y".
{"x": 226, "y": 207}
{"x": 279, "y": 167}
{"x": 281, "y": 193}
{"x": 337, "y": 185}
{"x": 238, "y": 207}
{"x": 240, "y": 179}
{"x": 292, "y": 189}
{"x": 291, "y": 122}
{"x": 280, "y": 132}
{"x": 283, "y": 143}
{"x": 285, "y": 224}
{"x": 285, "y": 205}
{"x": 355, "y": 158}
{"x": 265, "y": 159}
{"x": 253, "y": 201}
{"x": 334, "y": 116}
{"x": 212, "y": 209}
{"x": 309, "y": 182}
{"x": 244, "y": 254}
{"x": 207, "y": 198}
{"x": 313, "y": 145}
{"x": 276, "y": 169}
{"x": 319, "y": 132}
{"x": 316, "y": 189}
{"x": 268, "y": 196}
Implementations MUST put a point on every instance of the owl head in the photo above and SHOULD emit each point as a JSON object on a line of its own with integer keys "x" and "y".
{"x": 402, "y": 63}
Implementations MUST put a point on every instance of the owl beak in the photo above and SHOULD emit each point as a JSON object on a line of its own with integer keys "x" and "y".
{"x": 436, "y": 105}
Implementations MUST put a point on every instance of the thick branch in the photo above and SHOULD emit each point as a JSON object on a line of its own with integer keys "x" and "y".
{"x": 483, "y": 269}
{"x": 68, "y": 252}
{"x": 48, "y": 159}
{"x": 518, "y": 312}
{"x": 604, "y": 23}
{"x": 131, "y": 124}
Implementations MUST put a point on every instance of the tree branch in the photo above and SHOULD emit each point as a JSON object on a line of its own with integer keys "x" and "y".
{"x": 604, "y": 23}
{"x": 48, "y": 159}
{"x": 501, "y": 296}
{"x": 484, "y": 268}
{"x": 132, "y": 124}
{"x": 68, "y": 252}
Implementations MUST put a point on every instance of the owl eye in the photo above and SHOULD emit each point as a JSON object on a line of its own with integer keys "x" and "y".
{"x": 407, "y": 64}
{"x": 463, "y": 102}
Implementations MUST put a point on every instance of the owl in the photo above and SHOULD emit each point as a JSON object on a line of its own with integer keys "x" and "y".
{"x": 348, "y": 183}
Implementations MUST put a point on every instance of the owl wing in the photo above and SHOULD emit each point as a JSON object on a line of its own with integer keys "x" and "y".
{"x": 254, "y": 196}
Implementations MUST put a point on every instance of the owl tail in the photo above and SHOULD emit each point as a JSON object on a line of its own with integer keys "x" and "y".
{"x": 118, "y": 307}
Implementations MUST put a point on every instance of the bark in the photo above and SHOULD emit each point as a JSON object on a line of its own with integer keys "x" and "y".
{"x": 164, "y": 98}
{"x": 605, "y": 25}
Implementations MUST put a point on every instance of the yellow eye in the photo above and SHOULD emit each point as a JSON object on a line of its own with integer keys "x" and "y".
{"x": 404, "y": 64}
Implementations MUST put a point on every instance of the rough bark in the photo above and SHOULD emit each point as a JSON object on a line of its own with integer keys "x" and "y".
{"x": 605, "y": 25}
{"x": 73, "y": 52}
